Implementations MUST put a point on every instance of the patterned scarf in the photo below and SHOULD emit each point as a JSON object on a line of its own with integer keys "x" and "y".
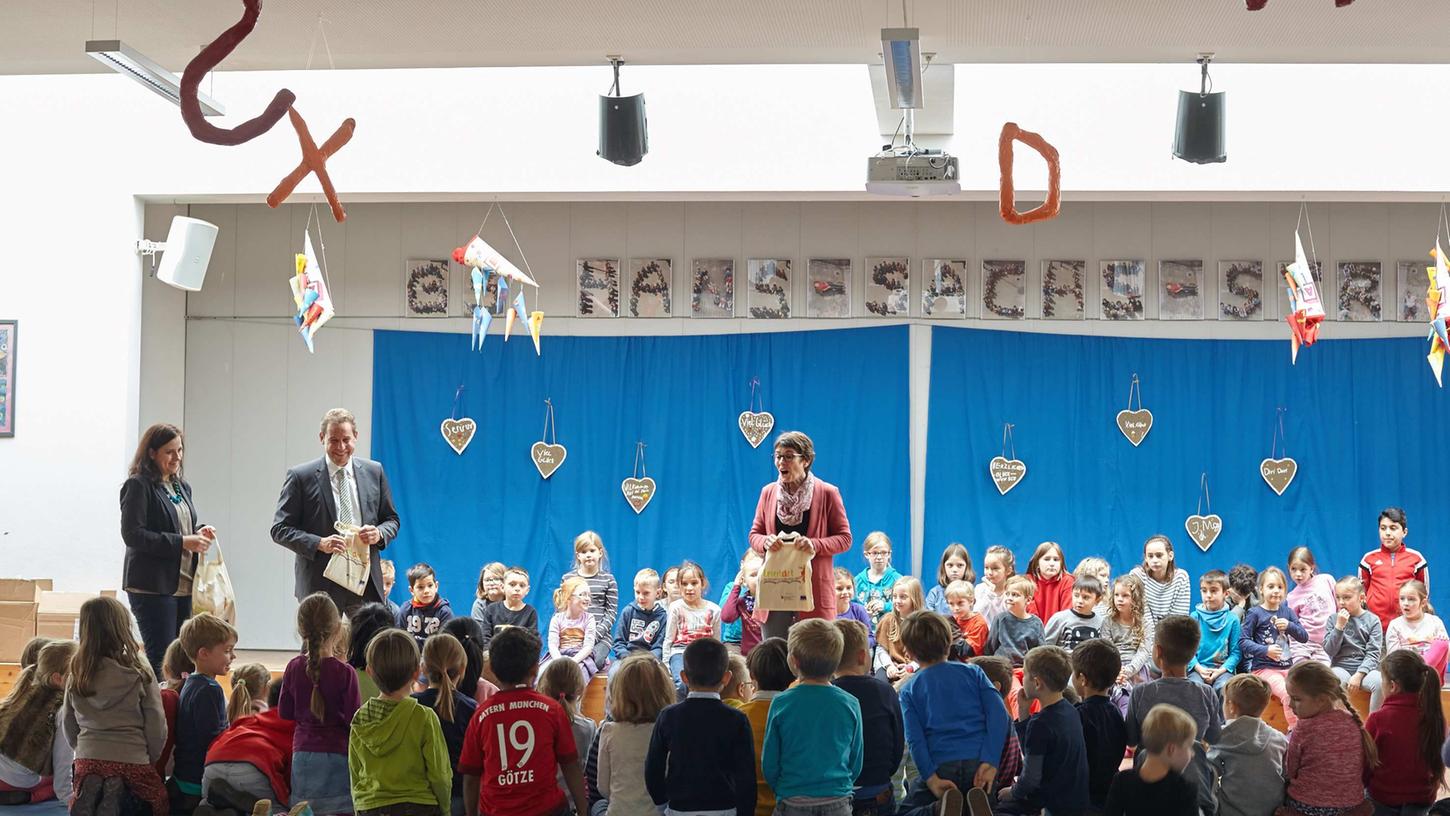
{"x": 790, "y": 507}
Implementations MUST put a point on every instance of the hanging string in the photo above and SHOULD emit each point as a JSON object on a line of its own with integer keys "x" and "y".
{"x": 754, "y": 395}
{"x": 319, "y": 30}
{"x": 1135, "y": 389}
{"x": 1278, "y": 435}
{"x": 1203, "y": 497}
{"x": 1443, "y": 222}
{"x": 1304, "y": 219}
{"x": 549, "y": 423}
{"x": 457, "y": 398}
{"x": 496, "y": 206}
{"x": 640, "y": 469}
{"x": 1008, "y": 440}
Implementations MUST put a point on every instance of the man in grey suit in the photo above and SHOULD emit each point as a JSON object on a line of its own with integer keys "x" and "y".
{"x": 336, "y": 487}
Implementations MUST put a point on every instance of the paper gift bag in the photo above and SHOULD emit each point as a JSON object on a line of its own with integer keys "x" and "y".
{"x": 785, "y": 580}
{"x": 350, "y": 568}
{"x": 211, "y": 589}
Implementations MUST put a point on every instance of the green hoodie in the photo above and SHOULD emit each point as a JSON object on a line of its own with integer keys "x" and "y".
{"x": 396, "y": 754}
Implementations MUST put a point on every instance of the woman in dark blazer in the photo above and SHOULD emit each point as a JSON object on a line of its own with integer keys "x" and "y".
{"x": 163, "y": 540}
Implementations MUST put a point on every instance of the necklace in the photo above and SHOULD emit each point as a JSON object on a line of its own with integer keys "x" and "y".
{"x": 173, "y": 490}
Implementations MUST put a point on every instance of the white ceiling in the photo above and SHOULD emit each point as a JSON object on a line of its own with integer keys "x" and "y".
{"x": 47, "y": 36}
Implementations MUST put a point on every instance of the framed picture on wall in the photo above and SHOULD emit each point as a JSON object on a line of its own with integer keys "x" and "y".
{"x": 1180, "y": 290}
{"x": 1316, "y": 268}
{"x": 828, "y": 287}
{"x": 1122, "y": 290}
{"x": 491, "y": 300}
{"x": 1411, "y": 281}
{"x": 1360, "y": 292}
{"x": 425, "y": 288}
{"x": 887, "y": 284}
{"x": 598, "y": 287}
{"x": 943, "y": 287}
{"x": 1241, "y": 290}
{"x": 1004, "y": 290}
{"x": 7, "y": 377}
{"x": 769, "y": 295}
{"x": 1062, "y": 289}
{"x": 651, "y": 281}
{"x": 712, "y": 287}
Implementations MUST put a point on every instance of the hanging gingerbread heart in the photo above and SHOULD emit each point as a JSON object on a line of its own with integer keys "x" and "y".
{"x": 638, "y": 492}
{"x": 1007, "y": 473}
{"x": 756, "y": 426}
{"x": 1135, "y": 423}
{"x": 458, "y": 433}
{"x": 548, "y": 456}
{"x": 1278, "y": 473}
{"x": 1204, "y": 530}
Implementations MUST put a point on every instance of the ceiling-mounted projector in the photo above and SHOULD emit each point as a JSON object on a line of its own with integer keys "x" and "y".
{"x": 920, "y": 173}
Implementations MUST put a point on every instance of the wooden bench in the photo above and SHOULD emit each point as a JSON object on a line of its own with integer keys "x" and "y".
{"x": 593, "y": 707}
{"x": 1274, "y": 714}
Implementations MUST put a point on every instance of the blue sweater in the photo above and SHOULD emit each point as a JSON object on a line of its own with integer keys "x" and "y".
{"x": 1218, "y": 639}
{"x": 201, "y": 716}
{"x": 639, "y": 629}
{"x": 936, "y": 600}
{"x": 1259, "y": 633}
{"x": 952, "y": 713}
{"x": 702, "y": 757}
{"x": 1054, "y": 767}
{"x": 812, "y": 742}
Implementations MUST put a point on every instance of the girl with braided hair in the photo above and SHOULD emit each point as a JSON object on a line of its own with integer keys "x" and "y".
{"x": 320, "y": 693}
{"x": 1329, "y": 750}
{"x": 1408, "y": 730}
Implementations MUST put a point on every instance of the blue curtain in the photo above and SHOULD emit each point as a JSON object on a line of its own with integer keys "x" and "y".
{"x": 1365, "y": 423}
{"x": 679, "y": 395}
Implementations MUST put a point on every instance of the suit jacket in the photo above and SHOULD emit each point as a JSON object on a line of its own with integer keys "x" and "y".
{"x": 153, "y": 539}
{"x": 306, "y": 513}
{"x": 828, "y": 528}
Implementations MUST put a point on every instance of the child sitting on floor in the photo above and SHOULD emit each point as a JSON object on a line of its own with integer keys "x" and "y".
{"x": 35, "y": 758}
{"x": 1249, "y": 755}
{"x": 1157, "y": 787}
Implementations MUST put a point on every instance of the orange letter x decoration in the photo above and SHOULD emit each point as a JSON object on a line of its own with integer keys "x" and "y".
{"x": 314, "y": 160}
{"x": 1007, "y": 195}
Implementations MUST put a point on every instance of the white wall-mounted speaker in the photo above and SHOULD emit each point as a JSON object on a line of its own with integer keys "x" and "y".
{"x": 188, "y": 251}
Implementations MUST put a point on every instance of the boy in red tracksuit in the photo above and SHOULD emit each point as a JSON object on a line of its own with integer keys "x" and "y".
{"x": 1386, "y": 569}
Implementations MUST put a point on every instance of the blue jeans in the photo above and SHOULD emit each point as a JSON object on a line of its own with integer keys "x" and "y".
{"x": 1218, "y": 682}
{"x": 159, "y": 617}
{"x": 837, "y": 807}
{"x": 879, "y": 803}
{"x": 920, "y": 801}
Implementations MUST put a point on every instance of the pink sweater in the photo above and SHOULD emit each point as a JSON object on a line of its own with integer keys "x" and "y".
{"x": 1325, "y": 761}
{"x": 828, "y": 528}
{"x": 1313, "y": 601}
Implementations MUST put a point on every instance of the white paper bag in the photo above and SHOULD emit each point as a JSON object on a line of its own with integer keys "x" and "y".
{"x": 211, "y": 587}
{"x": 785, "y": 579}
{"x": 350, "y": 568}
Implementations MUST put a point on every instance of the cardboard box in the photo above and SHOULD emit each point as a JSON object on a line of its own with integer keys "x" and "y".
{"x": 59, "y": 613}
{"x": 19, "y": 608}
{"x": 24, "y": 589}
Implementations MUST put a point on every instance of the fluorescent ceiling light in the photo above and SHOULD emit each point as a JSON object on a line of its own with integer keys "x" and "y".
{"x": 120, "y": 58}
{"x": 901, "y": 49}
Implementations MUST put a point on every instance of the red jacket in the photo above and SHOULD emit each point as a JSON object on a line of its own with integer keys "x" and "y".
{"x": 1053, "y": 595}
{"x": 265, "y": 742}
{"x": 828, "y": 528}
{"x": 1402, "y": 778}
{"x": 1384, "y": 572}
{"x": 170, "y": 702}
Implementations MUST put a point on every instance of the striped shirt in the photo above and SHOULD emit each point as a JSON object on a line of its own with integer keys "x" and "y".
{"x": 603, "y": 602}
{"x": 1172, "y": 598}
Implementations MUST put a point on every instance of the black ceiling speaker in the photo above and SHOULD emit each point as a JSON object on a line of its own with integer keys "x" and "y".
{"x": 623, "y": 131}
{"x": 1199, "y": 135}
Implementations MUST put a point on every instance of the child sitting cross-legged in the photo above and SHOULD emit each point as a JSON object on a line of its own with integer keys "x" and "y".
{"x": 813, "y": 739}
{"x": 641, "y": 689}
{"x": 883, "y": 738}
{"x": 1329, "y": 749}
{"x": 1249, "y": 754}
{"x": 1095, "y": 666}
{"x": 251, "y": 760}
{"x": 1218, "y": 634}
{"x": 1016, "y": 631}
{"x": 426, "y": 613}
{"x": 955, "y": 723}
{"x": 35, "y": 759}
{"x": 1055, "y": 771}
{"x": 770, "y": 668}
{"x": 1156, "y": 787}
{"x": 1175, "y": 644}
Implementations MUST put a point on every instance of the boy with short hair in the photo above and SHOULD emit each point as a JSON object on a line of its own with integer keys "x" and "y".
{"x": 999, "y": 673}
{"x": 426, "y": 613}
{"x": 1176, "y": 643}
{"x": 737, "y": 691}
{"x": 201, "y": 713}
{"x": 769, "y": 665}
{"x": 1218, "y": 634}
{"x": 390, "y": 576}
{"x": 1055, "y": 773}
{"x": 1249, "y": 754}
{"x": 1081, "y": 620}
{"x": 813, "y": 737}
{"x": 512, "y": 611}
{"x": 1016, "y": 631}
{"x": 955, "y": 726}
{"x": 1355, "y": 640}
{"x": 642, "y": 622}
{"x": 1157, "y": 787}
{"x": 1095, "y": 667}
{"x": 701, "y": 754}
{"x": 883, "y": 736}
{"x": 397, "y": 758}
{"x": 972, "y": 629}
{"x": 510, "y": 776}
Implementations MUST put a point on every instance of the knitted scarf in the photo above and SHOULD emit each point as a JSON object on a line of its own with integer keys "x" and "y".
{"x": 791, "y": 507}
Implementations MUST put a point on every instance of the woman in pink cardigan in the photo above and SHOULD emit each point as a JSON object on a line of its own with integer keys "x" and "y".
{"x": 800, "y": 503}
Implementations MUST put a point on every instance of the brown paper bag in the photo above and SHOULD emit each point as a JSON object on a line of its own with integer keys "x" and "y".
{"x": 785, "y": 580}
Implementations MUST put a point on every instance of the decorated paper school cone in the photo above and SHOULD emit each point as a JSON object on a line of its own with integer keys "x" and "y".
{"x": 536, "y": 322}
{"x": 508, "y": 325}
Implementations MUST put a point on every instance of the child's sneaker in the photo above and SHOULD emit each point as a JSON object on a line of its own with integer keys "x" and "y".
{"x": 951, "y": 803}
{"x": 977, "y": 802}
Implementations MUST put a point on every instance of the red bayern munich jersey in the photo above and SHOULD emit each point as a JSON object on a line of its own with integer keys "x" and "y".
{"x": 515, "y": 744}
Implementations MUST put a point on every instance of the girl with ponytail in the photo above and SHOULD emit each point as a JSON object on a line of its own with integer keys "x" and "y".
{"x": 35, "y": 759}
{"x": 1329, "y": 750}
{"x": 1408, "y": 730}
{"x": 445, "y": 661}
{"x": 250, "y": 682}
{"x": 320, "y": 693}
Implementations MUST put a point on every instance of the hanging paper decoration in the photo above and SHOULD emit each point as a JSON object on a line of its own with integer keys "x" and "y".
{"x": 1306, "y": 311}
{"x": 477, "y": 253}
{"x": 1007, "y": 195}
{"x": 536, "y": 322}
{"x": 549, "y": 456}
{"x": 486, "y": 263}
{"x": 1277, "y": 472}
{"x": 1204, "y": 529}
{"x": 516, "y": 311}
{"x": 1007, "y": 473}
{"x": 1135, "y": 424}
{"x": 458, "y": 431}
{"x": 755, "y": 425}
{"x": 309, "y": 290}
{"x": 639, "y": 488}
{"x": 1437, "y": 299}
{"x": 482, "y": 316}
